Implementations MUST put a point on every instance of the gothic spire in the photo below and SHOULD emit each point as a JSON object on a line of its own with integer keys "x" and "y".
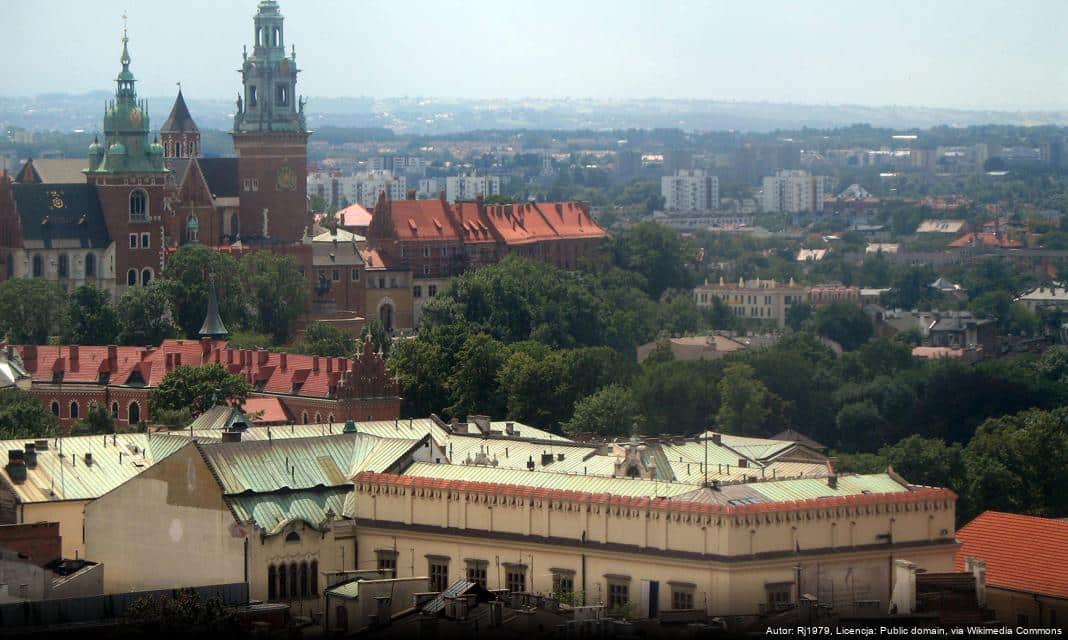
{"x": 213, "y": 325}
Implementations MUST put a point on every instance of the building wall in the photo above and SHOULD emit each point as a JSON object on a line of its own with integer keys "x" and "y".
{"x": 398, "y": 297}
{"x": 755, "y": 301}
{"x": 727, "y": 559}
{"x": 114, "y": 193}
{"x": 38, "y": 541}
{"x": 330, "y": 550}
{"x": 168, "y": 527}
{"x": 268, "y": 161}
{"x": 69, "y": 514}
{"x": 1026, "y": 609}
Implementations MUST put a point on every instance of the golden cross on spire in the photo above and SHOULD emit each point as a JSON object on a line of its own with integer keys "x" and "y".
{"x": 124, "y": 20}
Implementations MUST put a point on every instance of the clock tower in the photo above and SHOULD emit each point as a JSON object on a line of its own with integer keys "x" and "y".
{"x": 130, "y": 177}
{"x": 271, "y": 137}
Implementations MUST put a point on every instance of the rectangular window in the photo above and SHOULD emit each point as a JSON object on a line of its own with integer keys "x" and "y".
{"x": 426, "y": 269}
{"x": 355, "y": 275}
{"x": 426, "y": 252}
{"x": 563, "y": 582}
{"x": 444, "y": 252}
{"x": 618, "y": 594}
{"x": 476, "y": 572}
{"x": 417, "y": 291}
{"x": 387, "y": 562}
{"x": 337, "y": 275}
{"x": 431, "y": 290}
{"x": 515, "y": 578}
{"x": 381, "y": 283}
{"x": 439, "y": 574}
{"x": 146, "y": 241}
{"x": 133, "y": 240}
{"x": 681, "y": 598}
{"x": 779, "y": 595}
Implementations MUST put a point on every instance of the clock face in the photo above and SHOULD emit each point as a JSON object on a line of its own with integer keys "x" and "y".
{"x": 286, "y": 180}
{"x": 135, "y": 116}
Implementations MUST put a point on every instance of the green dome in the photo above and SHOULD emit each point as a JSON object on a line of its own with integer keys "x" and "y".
{"x": 117, "y": 149}
{"x": 96, "y": 149}
{"x": 193, "y": 224}
{"x": 155, "y": 148}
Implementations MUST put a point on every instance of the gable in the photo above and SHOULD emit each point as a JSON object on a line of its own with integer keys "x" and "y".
{"x": 60, "y": 216}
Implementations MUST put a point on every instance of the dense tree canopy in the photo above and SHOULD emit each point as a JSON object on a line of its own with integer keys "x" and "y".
{"x": 23, "y": 416}
{"x": 198, "y": 388}
{"x": 29, "y": 308}
{"x": 276, "y": 290}
{"x": 89, "y": 317}
{"x": 144, "y": 315}
{"x": 186, "y": 281}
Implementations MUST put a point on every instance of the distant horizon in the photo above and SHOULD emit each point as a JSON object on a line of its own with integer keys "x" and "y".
{"x": 982, "y": 55}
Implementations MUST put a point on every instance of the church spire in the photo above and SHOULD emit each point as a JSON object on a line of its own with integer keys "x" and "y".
{"x": 213, "y": 326}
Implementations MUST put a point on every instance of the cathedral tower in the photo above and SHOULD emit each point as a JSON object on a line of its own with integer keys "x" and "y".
{"x": 270, "y": 136}
{"x": 179, "y": 134}
{"x": 130, "y": 178}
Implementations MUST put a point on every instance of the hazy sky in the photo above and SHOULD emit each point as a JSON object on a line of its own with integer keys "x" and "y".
{"x": 968, "y": 53}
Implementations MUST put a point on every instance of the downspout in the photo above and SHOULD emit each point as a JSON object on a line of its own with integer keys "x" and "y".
{"x": 584, "y": 579}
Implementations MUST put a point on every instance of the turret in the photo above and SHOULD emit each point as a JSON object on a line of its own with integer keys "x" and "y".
{"x": 213, "y": 326}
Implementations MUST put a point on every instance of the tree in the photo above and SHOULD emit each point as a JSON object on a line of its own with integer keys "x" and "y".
{"x": 856, "y": 423}
{"x": 28, "y": 308}
{"x": 797, "y": 315}
{"x": 89, "y": 318}
{"x": 473, "y": 385}
{"x": 926, "y": 461}
{"x": 844, "y": 323}
{"x": 23, "y": 416}
{"x": 276, "y": 290}
{"x": 96, "y": 421}
{"x": 198, "y": 387}
{"x": 608, "y": 413}
{"x": 745, "y": 403}
{"x": 144, "y": 315}
{"x": 420, "y": 367}
{"x": 324, "y": 339}
{"x": 678, "y": 397}
{"x": 186, "y": 281}
{"x": 654, "y": 251}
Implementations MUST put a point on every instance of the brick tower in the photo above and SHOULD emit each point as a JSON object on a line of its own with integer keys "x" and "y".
{"x": 130, "y": 179}
{"x": 179, "y": 134}
{"x": 270, "y": 137}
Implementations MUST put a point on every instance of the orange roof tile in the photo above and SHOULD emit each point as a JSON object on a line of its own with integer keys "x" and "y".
{"x": 1022, "y": 553}
{"x": 986, "y": 240}
{"x": 270, "y": 410}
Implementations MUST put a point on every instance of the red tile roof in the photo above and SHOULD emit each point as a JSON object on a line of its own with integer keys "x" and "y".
{"x": 1022, "y": 553}
{"x": 354, "y": 216}
{"x": 269, "y": 408}
{"x": 281, "y": 373}
{"x": 922, "y": 494}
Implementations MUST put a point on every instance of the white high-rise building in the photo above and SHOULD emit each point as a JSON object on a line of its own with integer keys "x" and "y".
{"x": 793, "y": 192}
{"x": 690, "y": 190}
{"x": 468, "y": 187}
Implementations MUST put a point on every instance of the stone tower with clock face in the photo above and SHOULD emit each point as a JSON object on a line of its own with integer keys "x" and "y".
{"x": 129, "y": 175}
{"x": 271, "y": 137}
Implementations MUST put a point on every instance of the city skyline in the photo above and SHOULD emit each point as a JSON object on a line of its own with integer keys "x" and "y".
{"x": 769, "y": 51}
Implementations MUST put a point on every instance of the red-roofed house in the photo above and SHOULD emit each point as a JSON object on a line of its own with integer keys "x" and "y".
{"x": 67, "y": 379}
{"x": 1026, "y": 566}
{"x": 437, "y": 239}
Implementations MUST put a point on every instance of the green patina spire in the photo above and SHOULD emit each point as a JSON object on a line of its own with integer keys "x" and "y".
{"x": 126, "y": 147}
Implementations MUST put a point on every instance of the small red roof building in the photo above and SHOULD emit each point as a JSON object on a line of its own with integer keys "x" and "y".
{"x": 1022, "y": 553}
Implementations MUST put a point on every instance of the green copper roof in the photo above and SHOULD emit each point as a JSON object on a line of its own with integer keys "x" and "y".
{"x": 274, "y": 511}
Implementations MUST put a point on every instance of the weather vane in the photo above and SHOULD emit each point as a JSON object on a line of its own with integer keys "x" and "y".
{"x": 124, "y": 19}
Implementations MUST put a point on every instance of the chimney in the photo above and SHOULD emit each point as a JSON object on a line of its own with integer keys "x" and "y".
{"x": 262, "y": 356}
{"x": 743, "y": 463}
{"x": 41, "y": 445}
{"x": 482, "y": 422}
{"x": 283, "y": 360}
{"x": 509, "y": 428}
{"x": 29, "y": 352}
{"x": 168, "y": 361}
{"x": 530, "y": 464}
{"x": 88, "y": 459}
{"x": 229, "y": 356}
{"x": 559, "y": 457}
{"x": 315, "y": 364}
{"x": 16, "y": 465}
{"x": 113, "y": 353}
{"x": 978, "y": 569}
{"x": 329, "y": 364}
{"x": 231, "y": 436}
{"x": 546, "y": 459}
{"x": 717, "y": 438}
{"x": 74, "y": 353}
{"x": 30, "y": 455}
{"x": 832, "y": 481}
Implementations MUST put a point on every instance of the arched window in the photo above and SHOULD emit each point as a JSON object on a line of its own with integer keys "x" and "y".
{"x": 272, "y": 588}
{"x": 177, "y": 149}
{"x": 303, "y": 579}
{"x": 38, "y": 266}
{"x": 114, "y": 409}
{"x": 146, "y": 276}
{"x": 259, "y": 37}
{"x": 131, "y": 277}
{"x": 135, "y": 413}
{"x": 277, "y": 37}
{"x": 304, "y": 417}
{"x": 55, "y": 408}
{"x": 283, "y": 582}
{"x": 192, "y": 229}
{"x": 138, "y": 205}
{"x": 252, "y": 95}
{"x": 64, "y": 265}
{"x": 90, "y": 265}
{"x": 314, "y": 577}
{"x": 318, "y": 418}
{"x": 74, "y": 410}
{"x": 292, "y": 536}
{"x": 281, "y": 95}
{"x": 293, "y": 580}
{"x": 330, "y": 418}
